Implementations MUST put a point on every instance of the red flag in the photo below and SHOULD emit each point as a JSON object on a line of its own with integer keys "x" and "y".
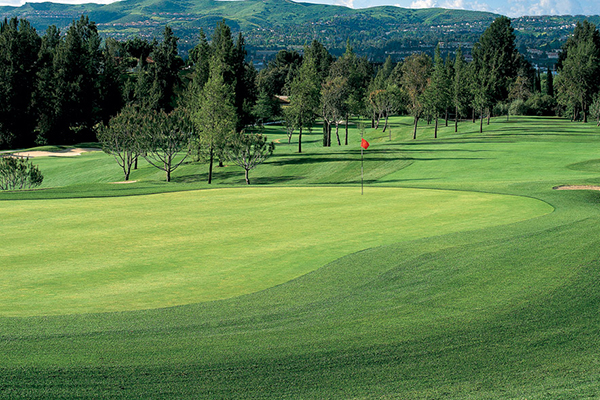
{"x": 364, "y": 144}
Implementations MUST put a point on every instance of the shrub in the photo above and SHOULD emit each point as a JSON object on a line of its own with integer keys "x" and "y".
{"x": 518, "y": 107}
{"x": 18, "y": 173}
{"x": 541, "y": 104}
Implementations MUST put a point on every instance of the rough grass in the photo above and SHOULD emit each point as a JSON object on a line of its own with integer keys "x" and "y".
{"x": 500, "y": 312}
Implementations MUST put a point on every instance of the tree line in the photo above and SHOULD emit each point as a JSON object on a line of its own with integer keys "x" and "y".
{"x": 70, "y": 87}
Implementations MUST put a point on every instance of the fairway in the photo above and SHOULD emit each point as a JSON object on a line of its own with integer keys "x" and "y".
{"x": 139, "y": 252}
{"x": 460, "y": 273}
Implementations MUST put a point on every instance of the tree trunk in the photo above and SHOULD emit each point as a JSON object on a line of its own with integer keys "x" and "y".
{"x": 210, "y": 165}
{"x": 415, "y": 127}
{"x": 329, "y": 135}
{"x": 247, "y": 177}
{"x": 347, "y": 123}
{"x": 446, "y": 116}
{"x": 473, "y": 115}
{"x": 456, "y": 120}
{"x": 325, "y": 123}
{"x": 300, "y": 141}
{"x": 481, "y": 122}
{"x": 168, "y": 171}
{"x": 385, "y": 126}
{"x": 337, "y": 128}
{"x": 372, "y": 122}
{"x": 135, "y": 165}
{"x": 436, "y": 127}
{"x": 488, "y": 117}
{"x": 585, "y": 120}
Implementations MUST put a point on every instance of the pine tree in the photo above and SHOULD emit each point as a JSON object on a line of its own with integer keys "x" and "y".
{"x": 19, "y": 46}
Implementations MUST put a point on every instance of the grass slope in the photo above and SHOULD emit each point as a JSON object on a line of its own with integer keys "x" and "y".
{"x": 506, "y": 311}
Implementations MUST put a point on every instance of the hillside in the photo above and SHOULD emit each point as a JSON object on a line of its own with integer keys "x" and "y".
{"x": 271, "y": 25}
{"x": 265, "y": 24}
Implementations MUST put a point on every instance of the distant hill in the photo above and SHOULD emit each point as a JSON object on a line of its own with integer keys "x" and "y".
{"x": 269, "y": 25}
{"x": 265, "y": 23}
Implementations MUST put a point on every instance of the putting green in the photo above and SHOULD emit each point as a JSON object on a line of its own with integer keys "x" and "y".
{"x": 127, "y": 253}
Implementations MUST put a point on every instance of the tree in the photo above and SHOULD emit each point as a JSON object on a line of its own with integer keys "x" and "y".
{"x": 164, "y": 71}
{"x": 579, "y": 75}
{"x": 384, "y": 102}
{"x": 248, "y": 151}
{"x": 121, "y": 136}
{"x": 200, "y": 57}
{"x": 111, "y": 99}
{"x": 165, "y": 139}
{"x": 437, "y": 93}
{"x": 595, "y": 109}
{"x": 415, "y": 75}
{"x": 357, "y": 72}
{"x": 74, "y": 88}
{"x": 333, "y": 98}
{"x": 495, "y": 65}
{"x": 19, "y": 47}
{"x": 277, "y": 77}
{"x": 213, "y": 113}
{"x": 550, "y": 83}
{"x": 239, "y": 75}
{"x": 460, "y": 88}
{"x": 304, "y": 98}
{"x": 18, "y": 173}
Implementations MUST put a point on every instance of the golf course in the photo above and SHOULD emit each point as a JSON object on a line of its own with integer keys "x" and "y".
{"x": 461, "y": 272}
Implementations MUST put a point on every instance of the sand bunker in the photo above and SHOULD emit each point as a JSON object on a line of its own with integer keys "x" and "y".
{"x": 576, "y": 187}
{"x": 59, "y": 153}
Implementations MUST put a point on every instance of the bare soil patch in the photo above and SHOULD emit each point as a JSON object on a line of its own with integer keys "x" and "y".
{"x": 123, "y": 182}
{"x": 576, "y": 187}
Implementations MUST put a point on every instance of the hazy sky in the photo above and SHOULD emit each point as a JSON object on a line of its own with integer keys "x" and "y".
{"x": 512, "y": 8}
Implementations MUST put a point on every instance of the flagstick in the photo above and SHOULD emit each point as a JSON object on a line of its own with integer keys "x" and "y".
{"x": 362, "y": 170}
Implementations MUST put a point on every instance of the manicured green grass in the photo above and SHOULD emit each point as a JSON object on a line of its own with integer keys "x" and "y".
{"x": 126, "y": 253}
{"x": 473, "y": 305}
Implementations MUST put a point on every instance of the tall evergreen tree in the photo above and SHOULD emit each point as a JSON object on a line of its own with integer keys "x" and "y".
{"x": 75, "y": 87}
{"x": 550, "y": 82}
{"x": 437, "y": 93}
{"x": 579, "y": 72}
{"x": 164, "y": 71}
{"x": 495, "y": 65}
{"x": 19, "y": 47}
{"x": 460, "y": 88}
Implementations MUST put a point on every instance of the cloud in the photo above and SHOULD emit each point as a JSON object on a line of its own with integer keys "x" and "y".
{"x": 424, "y": 4}
{"x": 345, "y": 3}
{"x": 18, "y": 3}
{"x": 455, "y": 4}
{"x": 555, "y": 7}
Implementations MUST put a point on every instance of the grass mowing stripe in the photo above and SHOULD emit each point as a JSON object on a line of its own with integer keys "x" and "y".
{"x": 115, "y": 254}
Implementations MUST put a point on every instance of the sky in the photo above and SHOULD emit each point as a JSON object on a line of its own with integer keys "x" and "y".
{"x": 511, "y": 8}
